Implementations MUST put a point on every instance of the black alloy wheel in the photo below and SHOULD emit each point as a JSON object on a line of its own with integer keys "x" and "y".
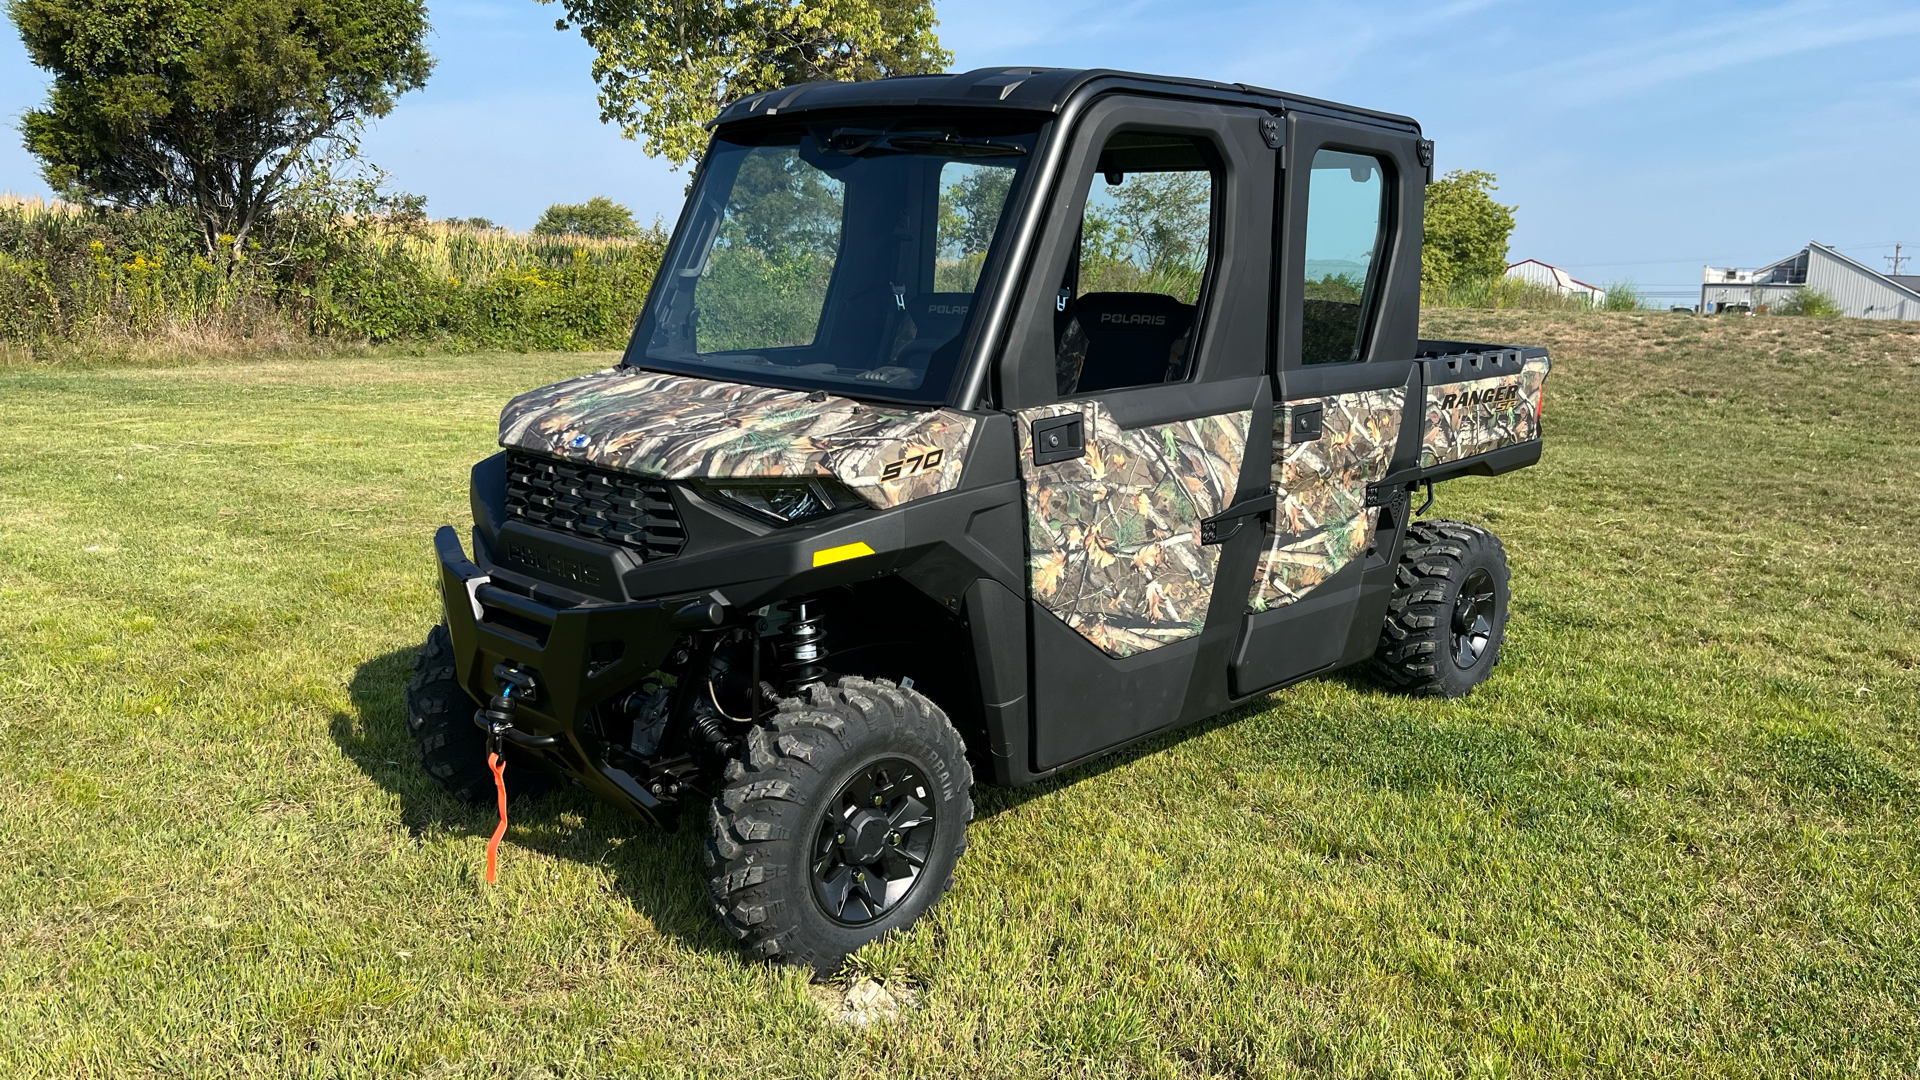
{"x": 1473, "y": 618}
{"x": 873, "y": 842}
{"x": 840, "y": 822}
{"x": 1447, "y": 616}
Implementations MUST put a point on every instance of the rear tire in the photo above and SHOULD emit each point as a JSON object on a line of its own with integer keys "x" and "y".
{"x": 1448, "y": 614}
{"x": 860, "y": 781}
{"x": 452, "y": 749}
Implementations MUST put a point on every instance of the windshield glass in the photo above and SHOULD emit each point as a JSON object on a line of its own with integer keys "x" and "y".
{"x": 840, "y": 257}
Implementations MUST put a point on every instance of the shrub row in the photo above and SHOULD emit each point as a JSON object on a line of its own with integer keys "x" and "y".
{"x": 69, "y": 274}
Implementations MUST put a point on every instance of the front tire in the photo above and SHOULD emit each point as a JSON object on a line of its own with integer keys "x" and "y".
{"x": 842, "y": 822}
{"x": 452, "y": 750}
{"x": 1448, "y": 614}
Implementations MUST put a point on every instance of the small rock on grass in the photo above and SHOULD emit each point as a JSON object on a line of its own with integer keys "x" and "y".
{"x": 868, "y": 1002}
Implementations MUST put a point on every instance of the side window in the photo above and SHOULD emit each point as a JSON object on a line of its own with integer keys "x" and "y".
{"x": 1127, "y": 309}
{"x": 765, "y": 284}
{"x": 1345, "y": 213}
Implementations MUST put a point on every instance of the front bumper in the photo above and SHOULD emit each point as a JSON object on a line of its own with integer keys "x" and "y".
{"x": 580, "y": 656}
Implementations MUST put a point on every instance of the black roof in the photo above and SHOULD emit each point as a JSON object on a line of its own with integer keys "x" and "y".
{"x": 1021, "y": 89}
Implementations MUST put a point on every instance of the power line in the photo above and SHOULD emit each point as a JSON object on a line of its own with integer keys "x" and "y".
{"x": 1896, "y": 245}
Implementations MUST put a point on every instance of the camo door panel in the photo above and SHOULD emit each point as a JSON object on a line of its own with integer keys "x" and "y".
{"x": 1113, "y": 538}
{"x": 1322, "y": 520}
{"x": 1474, "y": 417}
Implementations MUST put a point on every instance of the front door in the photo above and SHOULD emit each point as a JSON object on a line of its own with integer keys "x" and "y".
{"x": 1143, "y": 413}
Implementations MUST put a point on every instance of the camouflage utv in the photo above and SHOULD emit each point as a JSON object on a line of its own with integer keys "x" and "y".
{"x": 976, "y": 426}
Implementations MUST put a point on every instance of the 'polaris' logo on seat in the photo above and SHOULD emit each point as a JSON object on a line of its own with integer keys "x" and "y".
{"x": 1497, "y": 395}
{"x": 1133, "y": 320}
{"x": 947, "y": 309}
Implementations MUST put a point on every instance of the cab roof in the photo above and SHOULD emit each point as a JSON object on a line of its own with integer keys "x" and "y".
{"x": 1023, "y": 89}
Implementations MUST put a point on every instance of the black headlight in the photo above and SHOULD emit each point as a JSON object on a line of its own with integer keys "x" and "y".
{"x": 785, "y": 502}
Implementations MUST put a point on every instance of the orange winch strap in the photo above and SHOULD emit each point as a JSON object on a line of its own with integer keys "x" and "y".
{"x": 498, "y": 764}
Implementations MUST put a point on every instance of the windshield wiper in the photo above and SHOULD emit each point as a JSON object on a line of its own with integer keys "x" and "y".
{"x": 854, "y": 141}
{"x": 926, "y": 144}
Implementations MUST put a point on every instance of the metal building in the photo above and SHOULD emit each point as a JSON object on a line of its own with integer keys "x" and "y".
{"x": 1860, "y": 291}
{"x": 1536, "y": 272}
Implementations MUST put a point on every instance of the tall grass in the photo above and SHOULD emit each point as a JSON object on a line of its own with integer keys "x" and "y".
{"x": 1624, "y": 296}
{"x": 1501, "y": 294}
{"x": 74, "y": 279}
{"x": 1807, "y": 302}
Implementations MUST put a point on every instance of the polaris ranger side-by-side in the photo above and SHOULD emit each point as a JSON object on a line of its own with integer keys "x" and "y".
{"x": 976, "y": 425}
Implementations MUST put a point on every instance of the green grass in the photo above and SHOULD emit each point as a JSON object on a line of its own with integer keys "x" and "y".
{"x": 1674, "y": 835}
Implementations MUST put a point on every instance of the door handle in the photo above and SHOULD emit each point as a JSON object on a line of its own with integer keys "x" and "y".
{"x": 1058, "y": 438}
{"x": 1215, "y": 530}
{"x": 1303, "y": 421}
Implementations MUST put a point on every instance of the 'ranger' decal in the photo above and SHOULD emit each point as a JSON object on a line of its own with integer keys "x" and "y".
{"x": 1464, "y": 419}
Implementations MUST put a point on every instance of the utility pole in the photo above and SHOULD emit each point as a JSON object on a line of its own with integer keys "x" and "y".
{"x": 1894, "y": 260}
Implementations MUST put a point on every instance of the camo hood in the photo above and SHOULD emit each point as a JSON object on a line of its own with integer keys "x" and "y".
{"x": 675, "y": 427}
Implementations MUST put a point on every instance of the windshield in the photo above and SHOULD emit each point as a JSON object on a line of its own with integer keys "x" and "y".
{"x": 840, "y": 257}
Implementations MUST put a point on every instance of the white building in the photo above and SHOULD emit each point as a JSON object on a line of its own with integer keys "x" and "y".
{"x": 1536, "y": 272}
{"x": 1860, "y": 291}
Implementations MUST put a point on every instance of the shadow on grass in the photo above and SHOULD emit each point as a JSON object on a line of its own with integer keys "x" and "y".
{"x": 990, "y": 801}
{"x": 657, "y": 869}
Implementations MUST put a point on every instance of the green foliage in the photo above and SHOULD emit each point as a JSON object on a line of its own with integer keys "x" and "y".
{"x": 969, "y": 214}
{"x": 220, "y": 106}
{"x": 71, "y": 275}
{"x": 598, "y": 217}
{"x": 1466, "y": 231}
{"x": 1807, "y": 302}
{"x": 665, "y": 67}
{"x": 1149, "y": 234}
{"x": 1624, "y": 296}
{"x": 1502, "y": 293}
{"x": 1336, "y": 288}
{"x": 766, "y": 279}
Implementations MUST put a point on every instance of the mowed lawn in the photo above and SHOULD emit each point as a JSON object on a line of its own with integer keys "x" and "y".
{"x": 1675, "y": 835}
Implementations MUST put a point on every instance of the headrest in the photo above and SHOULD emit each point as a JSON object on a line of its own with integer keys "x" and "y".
{"x": 939, "y": 308}
{"x": 1119, "y": 312}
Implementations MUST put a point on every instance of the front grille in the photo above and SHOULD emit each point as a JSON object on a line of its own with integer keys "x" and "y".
{"x": 596, "y": 504}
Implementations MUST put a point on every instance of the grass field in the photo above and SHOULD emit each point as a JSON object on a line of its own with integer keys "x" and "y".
{"x": 1675, "y": 835}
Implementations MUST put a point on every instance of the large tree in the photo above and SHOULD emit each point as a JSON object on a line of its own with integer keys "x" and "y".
{"x": 665, "y": 67}
{"x": 219, "y": 106}
{"x": 1466, "y": 231}
{"x": 598, "y": 217}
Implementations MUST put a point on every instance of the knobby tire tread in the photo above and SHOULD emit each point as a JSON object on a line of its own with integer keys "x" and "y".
{"x": 772, "y": 788}
{"x": 1414, "y": 640}
{"x": 450, "y": 748}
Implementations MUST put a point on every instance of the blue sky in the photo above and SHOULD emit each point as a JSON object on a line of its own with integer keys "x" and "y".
{"x": 1638, "y": 140}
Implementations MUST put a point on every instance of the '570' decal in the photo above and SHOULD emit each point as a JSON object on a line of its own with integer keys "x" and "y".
{"x": 917, "y": 463}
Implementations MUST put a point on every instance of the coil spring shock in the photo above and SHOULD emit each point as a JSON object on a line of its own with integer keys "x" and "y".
{"x": 802, "y": 646}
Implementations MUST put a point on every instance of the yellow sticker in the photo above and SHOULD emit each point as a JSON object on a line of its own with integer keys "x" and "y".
{"x": 841, "y": 553}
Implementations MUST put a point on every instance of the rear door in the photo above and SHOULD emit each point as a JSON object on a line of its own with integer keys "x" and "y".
{"x": 1136, "y": 371}
{"x": 1347, "y": 301}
